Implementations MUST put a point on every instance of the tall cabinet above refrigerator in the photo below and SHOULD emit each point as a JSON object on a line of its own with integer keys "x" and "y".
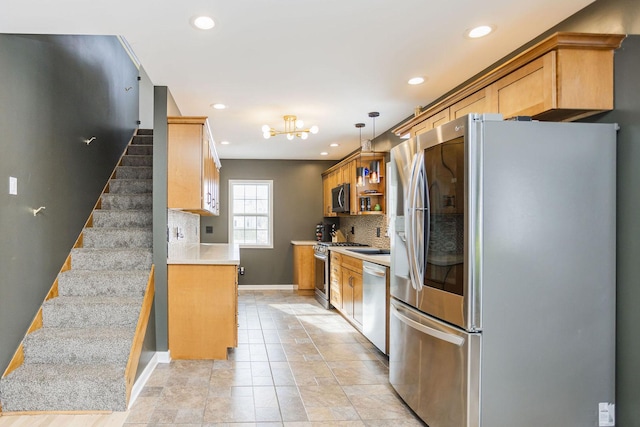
{"x": 503, "y": 273}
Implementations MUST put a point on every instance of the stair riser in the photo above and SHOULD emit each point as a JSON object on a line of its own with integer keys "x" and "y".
{"x": 73, "y": 283}
{"x": 62, "y": 315}
{"x": 89, "y": 394}
{"x": 143, "y": 135}
{"x": 140, "y": 150}
{"x": 137, "y": 160}
{"x": 77, "y": 350}
{"x": 125, "y": 238}
{"x": 114, "y": 201}
{"x": 134, "y": 172}
{"x": 105, "y": 218}
{"x": 110, "y": 259}
{"x": 130, "y": 186}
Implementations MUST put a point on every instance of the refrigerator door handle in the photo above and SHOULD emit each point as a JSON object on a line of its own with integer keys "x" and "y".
{"x": 410, "y": 238}
{"x": 450, "y": 338}
{"x": 417, "y": 244}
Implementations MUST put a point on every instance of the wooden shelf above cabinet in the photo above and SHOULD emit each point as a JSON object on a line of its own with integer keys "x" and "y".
{"x": 575, "y": 81}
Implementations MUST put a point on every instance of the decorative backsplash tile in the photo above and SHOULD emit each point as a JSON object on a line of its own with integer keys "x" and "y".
{"x": 365, "y": 228}
{"x": 183, "y": 227}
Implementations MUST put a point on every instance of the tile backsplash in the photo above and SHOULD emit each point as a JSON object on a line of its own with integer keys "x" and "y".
{"x": 365, "y": 229}
{"x": 183, "y": 227}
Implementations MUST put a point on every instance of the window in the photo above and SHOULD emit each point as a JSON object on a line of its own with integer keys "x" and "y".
{"x": 251, "y": 213}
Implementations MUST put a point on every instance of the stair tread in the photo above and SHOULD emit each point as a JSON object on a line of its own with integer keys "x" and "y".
{"x": 48, "y": 372}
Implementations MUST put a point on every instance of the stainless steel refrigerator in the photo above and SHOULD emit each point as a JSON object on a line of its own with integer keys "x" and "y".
{"x": 503, "y": 273}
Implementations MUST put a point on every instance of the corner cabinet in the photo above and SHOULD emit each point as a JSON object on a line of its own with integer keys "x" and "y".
{"x": 193, "y": 166}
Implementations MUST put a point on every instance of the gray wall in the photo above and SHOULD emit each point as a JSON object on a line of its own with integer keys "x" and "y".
{"x": 627, "y": 115}
{"x": 54, "y": 91}
{"x": 297, "y": 193}
{"x": 623, "y": 17}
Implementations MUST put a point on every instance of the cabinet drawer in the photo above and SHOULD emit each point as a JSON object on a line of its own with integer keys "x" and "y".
{"x": 352, "y": 263}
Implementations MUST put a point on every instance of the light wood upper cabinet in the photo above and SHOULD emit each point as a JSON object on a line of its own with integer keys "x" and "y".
{"x": 193, "y": 177}
{"x": 480, "y": 102}
{"x": 431, "y": 122}
{"x": 565, "y": 77}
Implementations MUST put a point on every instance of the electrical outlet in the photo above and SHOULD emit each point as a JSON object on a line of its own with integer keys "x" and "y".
{"x": 377, "y": 231}
{"x": 13, "y": 185}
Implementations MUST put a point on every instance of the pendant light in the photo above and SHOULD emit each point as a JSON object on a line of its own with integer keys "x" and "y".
{"x": 361, "y": 172}
{"x": 374, "y": 166}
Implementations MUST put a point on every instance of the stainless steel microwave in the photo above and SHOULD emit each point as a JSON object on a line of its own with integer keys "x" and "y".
{"x": 340, "y": 198}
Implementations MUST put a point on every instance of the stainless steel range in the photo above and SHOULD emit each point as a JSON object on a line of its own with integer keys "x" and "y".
{"x": 321, "y": 253}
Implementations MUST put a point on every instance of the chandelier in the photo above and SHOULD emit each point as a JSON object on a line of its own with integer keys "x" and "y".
{"x": 292, "y": 128}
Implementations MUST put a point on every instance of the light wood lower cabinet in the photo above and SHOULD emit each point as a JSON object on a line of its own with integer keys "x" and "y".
{"x": 351, "y": 289}
{"x": 335, "y": 280}
{"x": 203, "y": 310}
{"x": 304, "y": 268}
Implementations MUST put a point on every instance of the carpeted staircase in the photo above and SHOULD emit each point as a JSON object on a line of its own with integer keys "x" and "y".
{"x": 77, "y": 360}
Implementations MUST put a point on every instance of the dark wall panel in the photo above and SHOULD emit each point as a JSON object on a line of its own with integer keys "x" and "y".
{"x": 297, "y": 194}
{"x": 55, "y": 91}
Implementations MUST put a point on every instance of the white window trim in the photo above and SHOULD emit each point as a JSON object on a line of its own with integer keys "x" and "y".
{"x": 269, "y": 182}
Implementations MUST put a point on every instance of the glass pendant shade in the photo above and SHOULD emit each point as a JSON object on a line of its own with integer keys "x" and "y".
{"x": 361, "y": 174}
{"x": 374, "y": 172}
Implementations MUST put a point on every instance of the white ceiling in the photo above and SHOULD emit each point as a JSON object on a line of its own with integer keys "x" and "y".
{"x": 329, "y": 62}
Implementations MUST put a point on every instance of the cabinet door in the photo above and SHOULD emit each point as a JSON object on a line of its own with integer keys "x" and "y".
{"x": 347, "y": 292}
{"x": 357, "y": 296}
{"x": 184, "y": 166}
{"x": 202, "y": 310}
{"x": 326, "y": 195}
{"x": 304, "y": 267}
{"x": 431, "y": 122}
{"x": 335, "y": 281}
{"x": 479, "y": 102}
{"x": 528, "y": 91}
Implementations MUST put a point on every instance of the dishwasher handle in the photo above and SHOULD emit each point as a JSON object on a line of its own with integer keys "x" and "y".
{"x": 378, "y": 272}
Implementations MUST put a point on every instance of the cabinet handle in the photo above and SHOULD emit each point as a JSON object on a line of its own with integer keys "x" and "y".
{"x": 208, "y": 198}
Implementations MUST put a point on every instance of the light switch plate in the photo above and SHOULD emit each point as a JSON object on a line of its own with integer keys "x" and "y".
{"x": 13, "y": 185}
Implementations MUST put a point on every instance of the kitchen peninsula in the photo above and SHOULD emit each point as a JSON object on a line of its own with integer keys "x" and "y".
{"x": 202, "y": 299}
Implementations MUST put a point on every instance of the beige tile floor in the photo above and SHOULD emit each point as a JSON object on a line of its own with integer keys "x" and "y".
{"x": 296, "y": 364}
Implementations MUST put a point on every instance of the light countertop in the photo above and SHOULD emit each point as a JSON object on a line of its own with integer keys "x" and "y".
{"x": 377, "y": 259}
{"x": 204, "y": 253}
{"x": 304, "y": 242}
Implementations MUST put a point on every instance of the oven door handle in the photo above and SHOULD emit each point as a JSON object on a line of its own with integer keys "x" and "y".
{"x": 450, "y": 338}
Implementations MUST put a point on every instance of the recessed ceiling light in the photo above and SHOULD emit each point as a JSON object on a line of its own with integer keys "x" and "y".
{"x": 479, "y": 31}
{"x": 219, "y": 106}
{"x": 335, "y": 144}
{"x": 324, "y": 153}
{"x": 225, "y": 142}
{"x": 416, "y": 80}
{"x": 203, "y": 22}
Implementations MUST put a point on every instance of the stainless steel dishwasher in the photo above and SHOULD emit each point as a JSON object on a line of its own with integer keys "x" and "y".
{"x": 374, "y": 304}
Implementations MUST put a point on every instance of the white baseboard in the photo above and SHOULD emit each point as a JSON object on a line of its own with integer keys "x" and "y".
{"x": 267, "y": 287}
{"x": 142, "y": 379}
{"x": 164, "y": 356}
